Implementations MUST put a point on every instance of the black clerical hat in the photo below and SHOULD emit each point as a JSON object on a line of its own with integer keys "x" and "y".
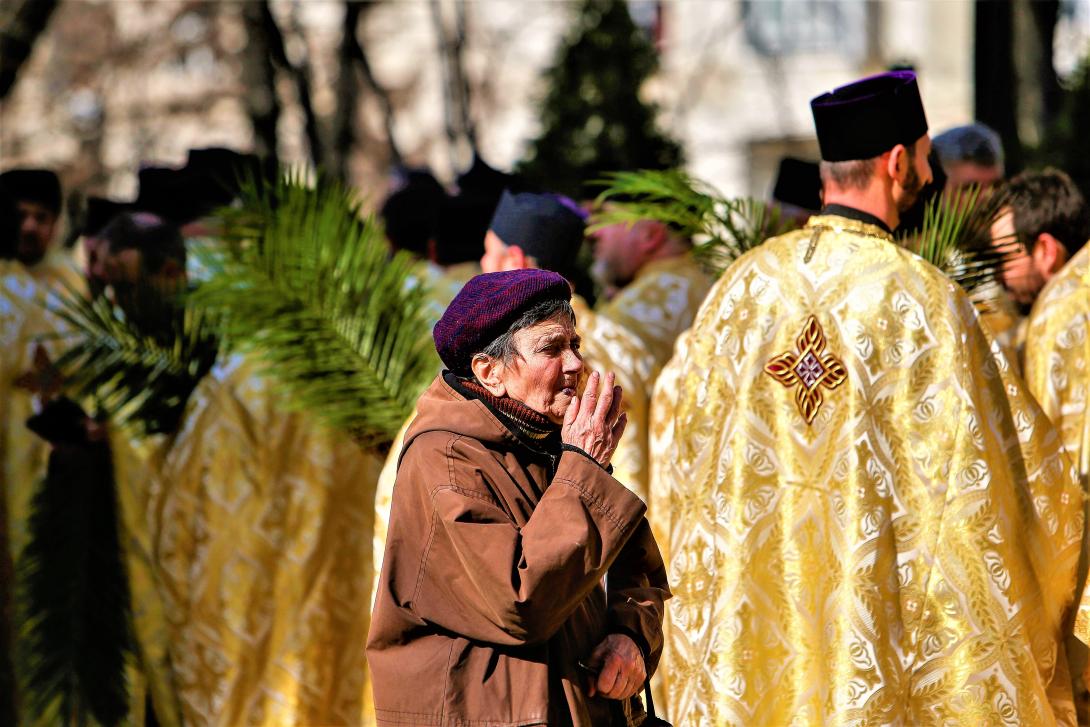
{"x": 865, "y": 118}
{"x": 798, "y": 183}
{"x": 100, "y": 212}
{"x": 462, "y": 224}
{"x": 483, "y": 179}
{"x": 411, "y": 214}
{"x": 225, "y": 171}
{"x": 547, "y": 226}
{"x": 33, "y": 185}
{"x": 176, "y": 195}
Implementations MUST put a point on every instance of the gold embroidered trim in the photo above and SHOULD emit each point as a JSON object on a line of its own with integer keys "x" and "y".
{"x": 836, "y": 223}
{"x": 810, "y": 369}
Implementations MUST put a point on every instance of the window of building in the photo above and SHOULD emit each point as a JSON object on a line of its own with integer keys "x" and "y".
{"x": 784, "y": 27}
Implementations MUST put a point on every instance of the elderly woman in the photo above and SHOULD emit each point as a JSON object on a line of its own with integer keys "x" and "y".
{"x": 505, "y": 521}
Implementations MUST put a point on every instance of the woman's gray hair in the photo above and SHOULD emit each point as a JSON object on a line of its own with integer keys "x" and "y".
{"x": 503, "y": 347}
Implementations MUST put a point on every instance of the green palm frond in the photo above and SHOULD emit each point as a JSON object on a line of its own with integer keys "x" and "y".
{"x": 138, "y": 375}
{"x": 956, "y": 236}
{"x": 722, "y": 229}
{"x": 308, "y": 286}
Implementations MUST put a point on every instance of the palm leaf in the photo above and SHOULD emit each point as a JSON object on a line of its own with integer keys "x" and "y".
{"x": 956, "y": 236}
{"x": 74, "y": 592}
{"x": 722, "y": 229}
{"x": 137, "y": 377}
{"x": 307, "y": 285}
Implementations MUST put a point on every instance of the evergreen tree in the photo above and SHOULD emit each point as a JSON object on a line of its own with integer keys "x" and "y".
{"x": 593, "y": 120}
{"x": 1066, "y": 144}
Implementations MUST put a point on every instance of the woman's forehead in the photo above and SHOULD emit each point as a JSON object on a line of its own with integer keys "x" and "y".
{"x": 554, "y": 327}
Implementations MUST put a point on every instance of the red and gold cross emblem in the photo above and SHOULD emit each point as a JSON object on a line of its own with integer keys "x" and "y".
{"x": 810, "y": 369}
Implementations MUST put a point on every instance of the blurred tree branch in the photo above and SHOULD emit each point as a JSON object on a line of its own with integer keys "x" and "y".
{"x": 352, "y": 56}
{"x": 259, "y": 80}
{"x": 994, "y": 77}
{"x": 23, "y": 22}
{"x": 300, "y": 77}
{"x": 456, "y": 98}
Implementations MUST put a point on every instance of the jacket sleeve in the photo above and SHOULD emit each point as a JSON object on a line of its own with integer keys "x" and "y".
{"x": 637, "y": 590}
{"x": 484, "y": 578}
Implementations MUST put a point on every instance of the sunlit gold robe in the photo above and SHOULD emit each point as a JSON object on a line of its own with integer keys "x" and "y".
{"x": 1001, "y": 320}
{"x": 26, "y": 294}
{"x": 257, "y": 524}
{"x": 633, "y": 336}
{"x": 906, "y": 558}
{"x": 1058, "y": 370}
{"x": 1058, "y": 355}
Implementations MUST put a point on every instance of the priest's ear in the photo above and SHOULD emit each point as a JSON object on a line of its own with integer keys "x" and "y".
{"x": 516, "y": 259}
{"x": 898, "y": 164}
{"x": 653, "y": 235}
{"x": 1049, "y": 255}
{"x": 489, "y": 373}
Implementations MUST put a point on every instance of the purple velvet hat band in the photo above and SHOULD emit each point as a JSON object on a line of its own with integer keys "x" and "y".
{"x": 486, "y": 307}
{"x": 868, "y": 117}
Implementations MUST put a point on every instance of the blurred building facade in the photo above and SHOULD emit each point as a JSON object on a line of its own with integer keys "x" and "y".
{"x": 114, "y": 85}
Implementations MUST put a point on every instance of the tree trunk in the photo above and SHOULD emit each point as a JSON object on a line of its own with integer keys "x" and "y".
{"x": 994, "y": 77}
{"x": 259, "y": 78}
{"x": 299, "y": 76}
{"x": 343, "y": 133}
{"x": 1045, "y": 15}
{"x": 352, "y": 57}
{"x": 23, "y": 23}
{"x": 456, "y": 112}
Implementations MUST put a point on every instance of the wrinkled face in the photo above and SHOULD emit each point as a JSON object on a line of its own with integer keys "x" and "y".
{"x": 919, "y": 175}
{"x": 36, "y": 225}
{"x": 1019, "y": 273}
{"x": 545, "y": 372}
{"x": 616, "y": 253}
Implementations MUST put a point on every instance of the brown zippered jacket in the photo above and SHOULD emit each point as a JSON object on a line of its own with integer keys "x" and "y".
{"x": 491, "y": 589}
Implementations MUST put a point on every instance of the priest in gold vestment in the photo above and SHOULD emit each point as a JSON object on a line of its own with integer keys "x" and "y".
{"x": 248, "y": 539}
{"x": 660, "y": 288}
{"x": 36, "y": 272}
{"x": 1058, "y": 371}
{"x": 868, "y": 521}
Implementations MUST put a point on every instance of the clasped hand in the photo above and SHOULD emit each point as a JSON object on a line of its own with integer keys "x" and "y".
{"x": 594, "y": 421}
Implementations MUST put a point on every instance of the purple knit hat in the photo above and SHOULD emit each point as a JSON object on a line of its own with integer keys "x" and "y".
{"x": 486, "y": 307}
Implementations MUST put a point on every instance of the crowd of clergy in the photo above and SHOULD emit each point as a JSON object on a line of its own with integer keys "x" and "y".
{"x": 867, "y": 488}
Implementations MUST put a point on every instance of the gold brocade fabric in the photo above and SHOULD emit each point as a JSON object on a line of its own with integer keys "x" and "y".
{"x": 633, "y": 336}
{"x": 1058, "y": 370}
{"x": 906, "y": 558}
{"x": 136, "y": 459}
{"x": 25, "y": 322}
{"x": 1001, "y": 321}
{"x": 257, "y": 523}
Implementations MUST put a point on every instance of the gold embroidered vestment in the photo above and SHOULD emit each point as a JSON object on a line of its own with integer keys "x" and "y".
{"x": 906, "y": 557}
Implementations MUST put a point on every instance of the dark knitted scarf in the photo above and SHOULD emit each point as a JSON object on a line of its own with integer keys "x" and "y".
{"x": 515, "y": 415}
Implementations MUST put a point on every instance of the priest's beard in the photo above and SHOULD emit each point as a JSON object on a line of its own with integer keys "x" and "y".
{"x": 911, "y": 188}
